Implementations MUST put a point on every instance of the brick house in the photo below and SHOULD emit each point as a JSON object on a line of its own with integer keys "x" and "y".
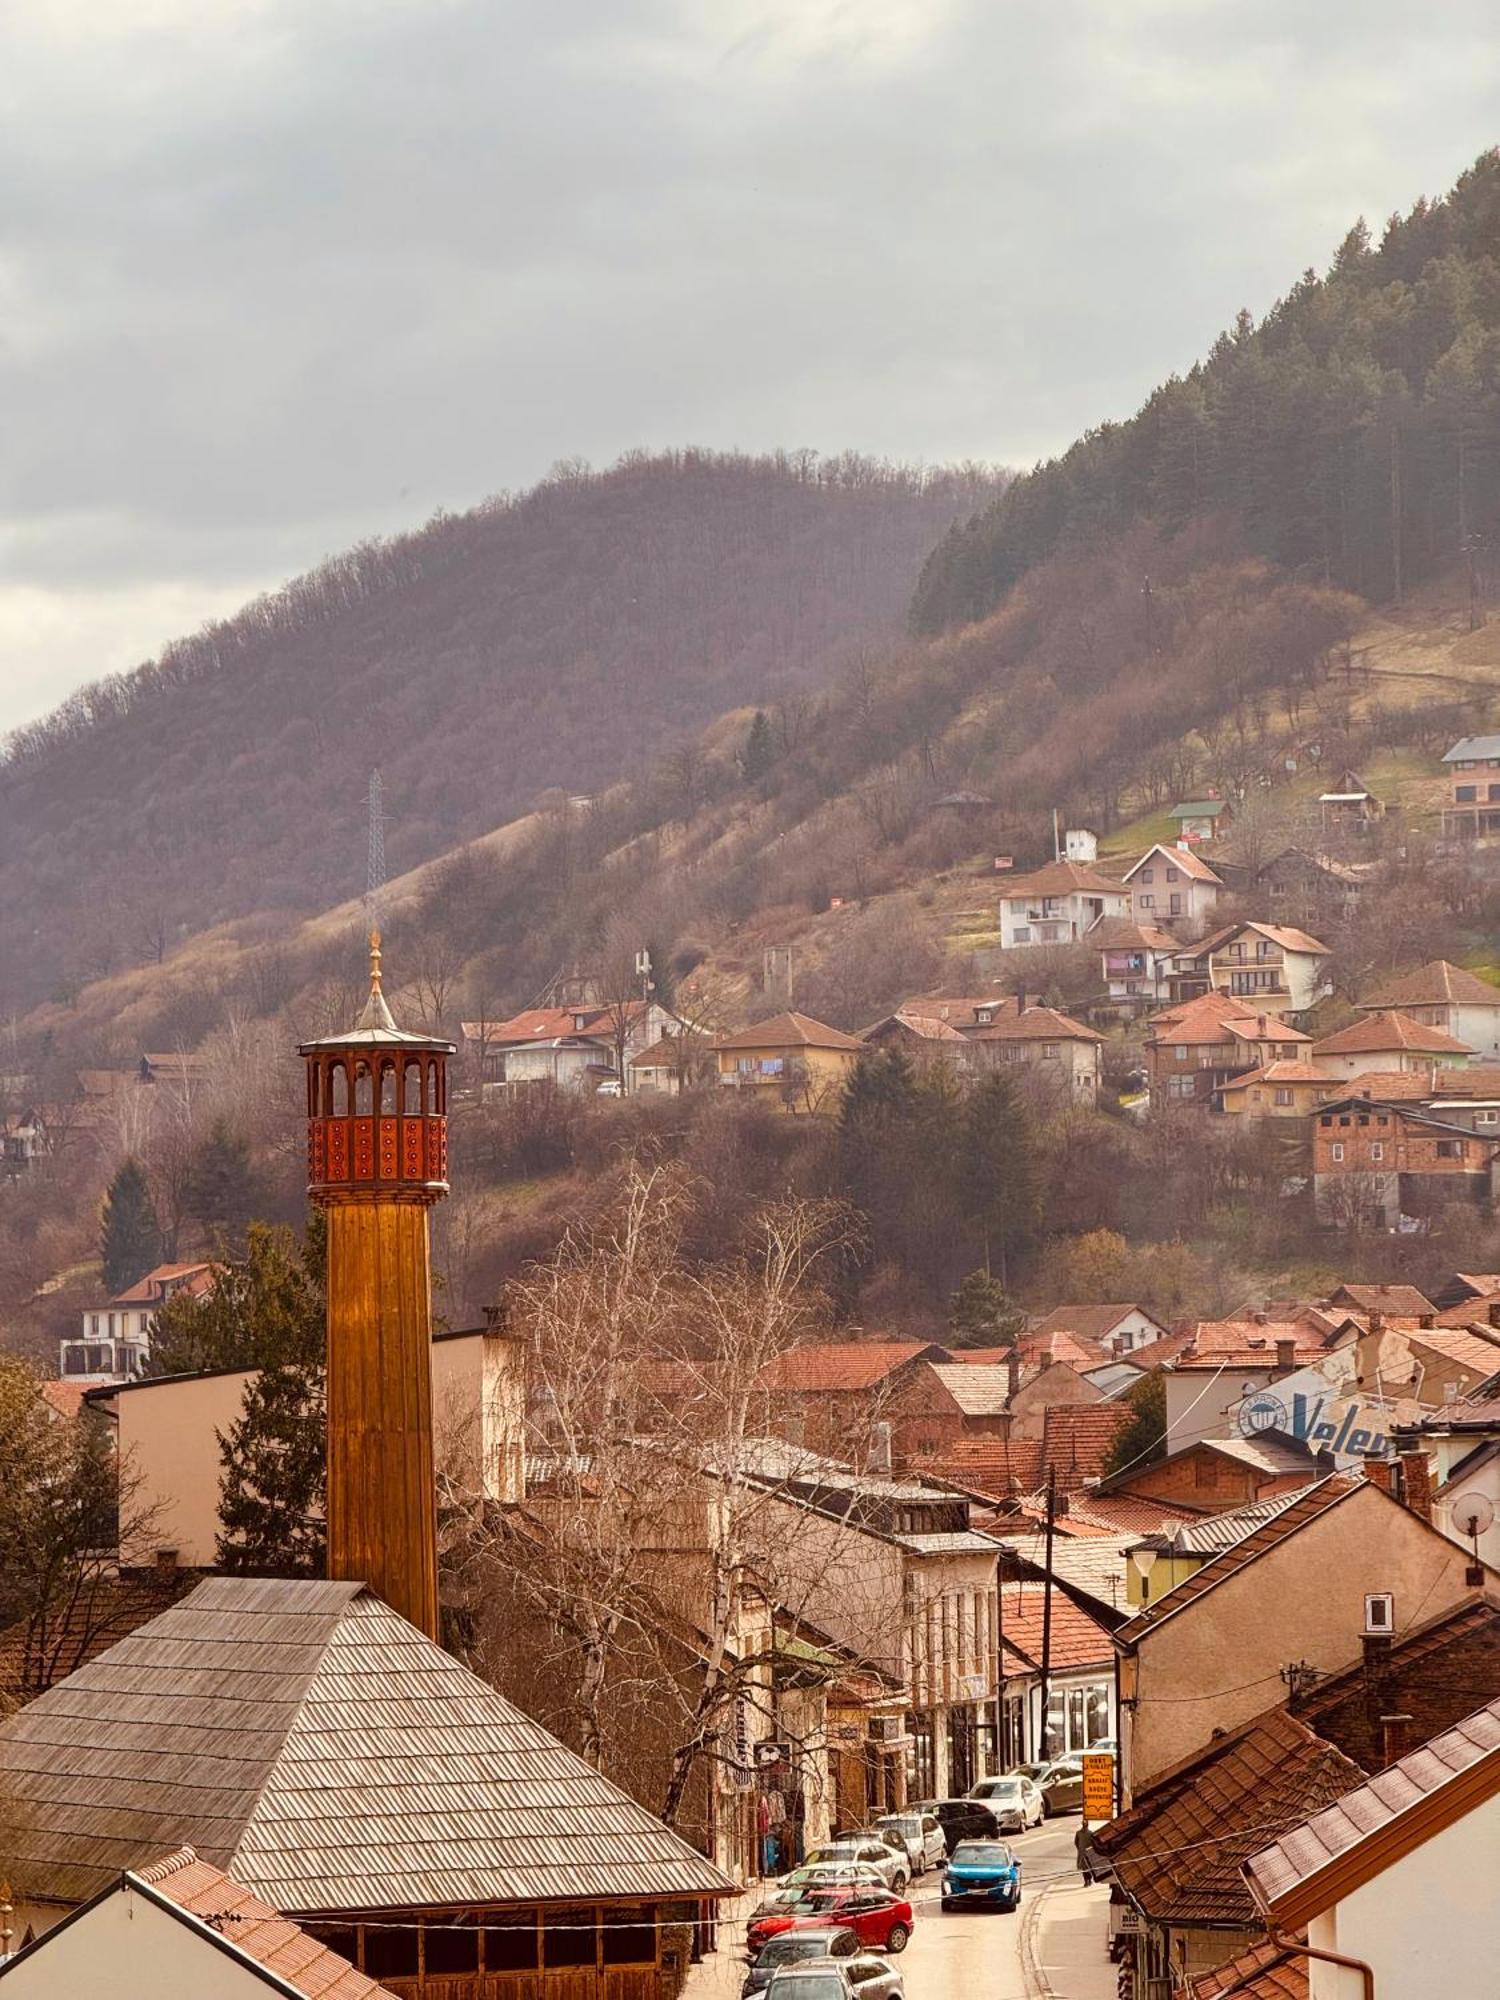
{"x": 1219, "y": 1475}
{"x": 830, "y": 1394}
{"x": 1173, "y": 887}
{"x": 1473, "y": 808}
{"x": 1378, "y": 1162}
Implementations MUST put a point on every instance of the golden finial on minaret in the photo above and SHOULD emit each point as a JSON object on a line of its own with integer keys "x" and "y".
{"x": 374, "y": 958}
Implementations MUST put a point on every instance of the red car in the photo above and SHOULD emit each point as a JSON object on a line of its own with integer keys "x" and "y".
{"x": 877, "y": 1918}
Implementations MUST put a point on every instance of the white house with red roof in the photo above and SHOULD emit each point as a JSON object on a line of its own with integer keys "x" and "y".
{"x": 115, "y": 1339}
{"x": 1173, "y": 887}
{"x": 1278, "y": 968}
{"x": 1059, "y": 904}
{"x": 1445, "y": 996}
{"x": 1387, "y": 1040}
{"x": 575, "y": 1047}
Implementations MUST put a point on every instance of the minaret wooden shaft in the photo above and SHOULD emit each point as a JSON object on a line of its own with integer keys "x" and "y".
{"x": 382, "y": 1503}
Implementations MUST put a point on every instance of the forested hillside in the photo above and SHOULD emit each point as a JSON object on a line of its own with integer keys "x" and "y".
{"x": 563, "y": 638}
{"x": 1352, "y": 436}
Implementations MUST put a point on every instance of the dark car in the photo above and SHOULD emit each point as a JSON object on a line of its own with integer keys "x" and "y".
{"x": 961, "y": 1819}
{"x": 791, "y": 1947}
{"x": 1061, "y": 1787}
{"x": 982, "y": 1871}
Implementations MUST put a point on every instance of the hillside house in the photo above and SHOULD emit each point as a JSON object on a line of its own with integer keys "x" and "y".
{"x": 1349, "y": 806}
{"x": 1286, "y": 1089}
{"x": 1173, "y": 887}
{"x": 114, "y": 1342}
{"x": 1282, "y": 970}
{"x": 671, "y": 1065}
{"x": 1195, "y": 1048}
{"x": 1472, "y": 811}
{"x": 1304, "y": 888}
{"x": 1052, "y": 1045}
{"x": 830, "y": 1395}
{"x": 1116, "y": 1329}
{"x": 1059, "y": 904}
{"x": 573, "y": 1048}
{"x": 790, "y": 1062}
{"x": 1446, "y": 997}
{"x": 23, "y": 1141}
{"x": 1374, "y": 1163}
{"x": 1386, "y": 1041}
{"x": 925, "y": 1038}
{"x": 1136, "y": 961}
{"x": 1202, "y": 819}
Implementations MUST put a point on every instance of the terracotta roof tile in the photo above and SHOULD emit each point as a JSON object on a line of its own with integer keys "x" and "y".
{"x": 1369, "y": 1808}
{"x": 844, "y": 1364}
{"x": 790, "y": 1031}
{"x": 1061, "y": 878}
{"x": 257, "y": 1930}
{"x": 1077, "y": 1639}
{"x": 35, "y": 1653}
{"x": 1389, "y": 1030}
{"x": 1389, "y": 1086}
{"x": 1044, "y": 1347}
{"x": 1078, "y": 1438}
{"x": 148, "y": 1290}
{"x": 1178, "y": 1851}
{"x": 1034, "y": 1024}
{"x": 1437, "y": 984}
{"x": 1264, "y": 1972}
{"x": 1401, "y": 1299}
{"x": 995, "y": 1466}
{"x": 1192, "y": 865}
{"x": 1126, "y": 1513}
{"x": 1089, "y": 1322}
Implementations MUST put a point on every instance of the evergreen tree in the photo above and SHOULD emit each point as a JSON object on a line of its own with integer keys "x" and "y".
{"x": 1144, "y": 1438}
{"x": 218, "y": 1190}
{"x": 265, "y": 1309}
{"x": 1001, "y": 1182}
{"x": 982, "y": 1314}
{"x": 759, "y": 753}
{"x": 130, "y": 1234}
{"x": 271, "y": 1493}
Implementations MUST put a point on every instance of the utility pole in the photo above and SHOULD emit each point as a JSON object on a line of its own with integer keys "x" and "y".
{"x": 1047, "y": 1609}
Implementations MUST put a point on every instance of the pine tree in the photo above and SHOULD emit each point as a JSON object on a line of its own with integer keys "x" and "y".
{"x": 130, "y": 1236}
{"x": 271, "y": 1493}
{"x": 1144, "y": 1438}
{"x": 759, "y": 753}
{"x": 981, "y": 1314}
{"x": 1000, "y": 1177}
{"x": 219, "y": 1191}
{"x": 265, "y": 1309}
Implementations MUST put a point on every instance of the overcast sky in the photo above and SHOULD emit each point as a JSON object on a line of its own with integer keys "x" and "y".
{"x": 275, "y": 274}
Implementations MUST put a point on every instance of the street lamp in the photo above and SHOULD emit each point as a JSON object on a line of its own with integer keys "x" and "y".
{"x": 1144, "y": 1560}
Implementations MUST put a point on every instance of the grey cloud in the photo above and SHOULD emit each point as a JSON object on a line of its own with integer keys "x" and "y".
{"x": 279, "y": 273}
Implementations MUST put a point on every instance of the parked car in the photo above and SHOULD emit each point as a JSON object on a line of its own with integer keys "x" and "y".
{"x": 1014, "y": 1800}
{"x": 792, "y": 1947}
{"x": 922, "y": 1835}
{"x": 828, "y": 1874}
{"x": 1061, "y": 1787}
{"x": 867, "y": 1851}
{"x": 982, "y": 1871}
{"x": 863, "y": 1977}
{"x": 961, "y": 1819}
{"x": 876, "y": 1917}
{"x": 1032, "y": 1771}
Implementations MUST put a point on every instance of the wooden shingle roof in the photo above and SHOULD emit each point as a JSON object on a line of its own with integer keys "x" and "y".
{"x": 308, "y": 1740}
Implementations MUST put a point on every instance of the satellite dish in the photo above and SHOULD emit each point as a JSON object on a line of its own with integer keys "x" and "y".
{"x": 1473, "y": 1513}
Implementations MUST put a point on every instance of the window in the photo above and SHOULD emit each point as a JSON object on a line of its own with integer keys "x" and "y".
{"x": 629, "y": 1937}
{"x": 1181, "y": 1086}
{"x": 1180, "y": 1051}
{"x": 1148, "y": 874}
{"x": 1451, "y": 1149}
{"x": 1281, "y": 1096}
{"x": 1377, "y": 1151}
{"x": 1174, "y": 874}
{"x": 391, "y": 1954}
{"x": 1176, "y": 906}
{"x": 1146, "y": 902}
{"x": 450, "y": 1947}
{"x": 1487, "y": 1117}
{"x": 1493, "y": 791}
{"x": 1336, "y": 1150}
{"x": 1049, "y": 1051}
{"x": 569, "y": 1937}
{"x": 94, "y": 1324}
{"x": 510, "y": 1942}
{"x": 1021, "y": 935}
{"x": 1465, "y": 795}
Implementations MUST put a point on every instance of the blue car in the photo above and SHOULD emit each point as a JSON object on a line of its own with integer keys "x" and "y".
{"x": 982, "y": 1872}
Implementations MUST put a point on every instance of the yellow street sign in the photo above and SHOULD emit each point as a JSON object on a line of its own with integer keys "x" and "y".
{"x": 1098, "y": 1785}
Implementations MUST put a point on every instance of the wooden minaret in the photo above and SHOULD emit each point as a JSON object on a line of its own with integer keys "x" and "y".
{"x": 377, "y": 1159}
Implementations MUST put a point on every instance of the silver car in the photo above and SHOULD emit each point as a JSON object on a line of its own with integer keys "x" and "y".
{"x": 921, "y": 1834}
{"x": 866, "y": 1851}
{"x": 1014, "y": 1800}
{"x": 863, "y": 1977}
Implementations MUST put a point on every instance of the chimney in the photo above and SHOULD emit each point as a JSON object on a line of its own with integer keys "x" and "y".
{"x": 1395, "y": 1737}
{"x": 1257, "y": 1318}
{"x": 1425, "y": 1320}
{"x": 1416, "y": 1480}
{"x": 1377, "y": 1320}
{"x": 1261, "y": 1027}
{"x": 878, "y": 1465}
{"x": 1378, "y": 1470}
{"x": 1286, "y": 1356}
{"x": 1492, "y": 1312}
{"x": 166, "y": 1562}
{"x": 1012, "y": 1376}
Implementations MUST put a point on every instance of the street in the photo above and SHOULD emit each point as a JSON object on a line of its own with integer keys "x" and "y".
{"x": 1052, "y": 1949}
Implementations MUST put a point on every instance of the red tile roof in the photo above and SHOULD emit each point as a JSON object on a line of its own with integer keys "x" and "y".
{"x": 1178, "y": 1851}
{"x": 1078, "y": 1439}
{"x": 790, "y": 1031}
{"x": 148, "y": 1291}
{"x": 63, "y": 1396}
{"x": 250, "y": 1926}
{"x": 1283, "y": 1072}
{"x": 1192, "y": 865}
{"x": 844, "y": 1364}
{"x": 1077, "y": 1639}
{"x": 1264, "y": 1972}
{"x": 991, "y": 1465}
{"x": 1088, "y": 1322}
{"x": 1437, "y": 984}
{"x": 1387, "y": 1030}
{"x": 1061, "y": 878}
{"x": 1034, "y": 1024}
{"x": 1125, "y": 1513}
{"x": 1354, "y": 1838}
{"x": 1387, "y": 1299}
{"x": 1251, "y": 1343}
{"x": 1043, "y": 1349}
